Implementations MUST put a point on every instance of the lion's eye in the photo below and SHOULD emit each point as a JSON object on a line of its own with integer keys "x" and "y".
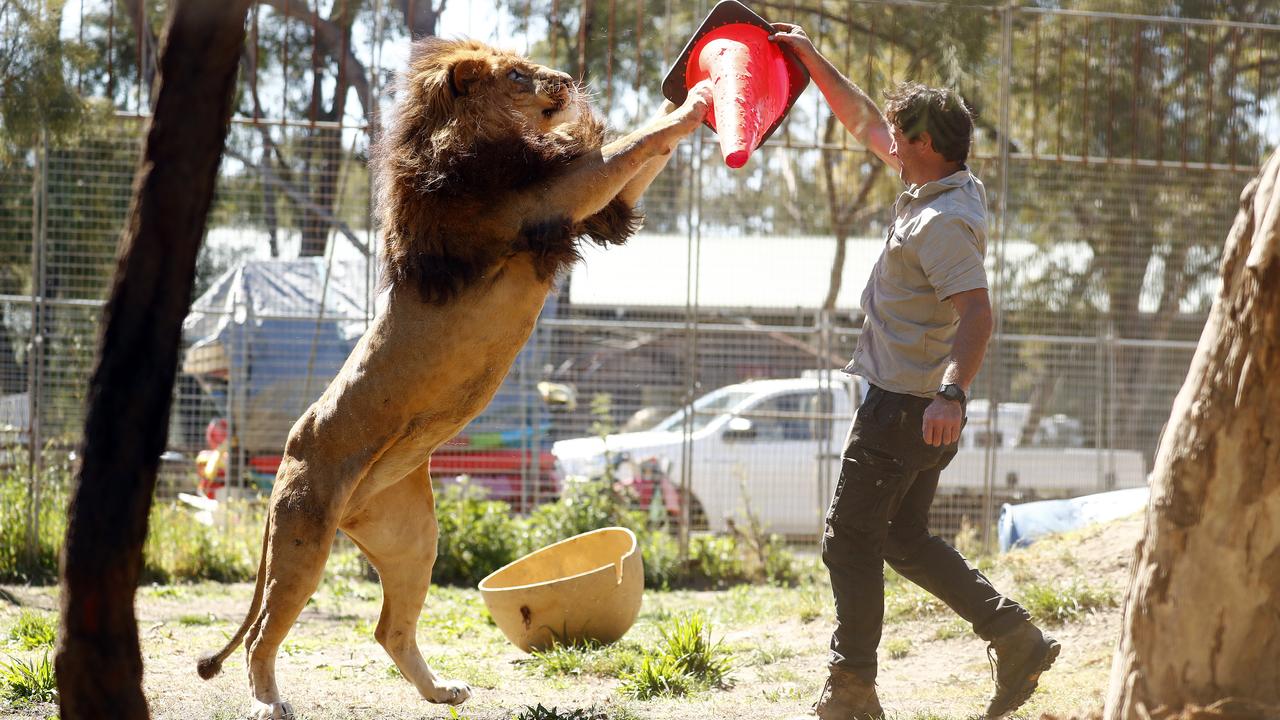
{"x": 518, "y": 77}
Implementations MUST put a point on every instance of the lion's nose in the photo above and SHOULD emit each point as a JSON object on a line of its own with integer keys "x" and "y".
{"x": 559, "y": 82}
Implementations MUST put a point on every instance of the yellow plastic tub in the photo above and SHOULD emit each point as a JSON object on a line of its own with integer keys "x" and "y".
{"x": 585, "y": 588}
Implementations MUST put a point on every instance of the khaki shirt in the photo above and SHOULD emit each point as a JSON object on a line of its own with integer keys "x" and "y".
{"x": 933, "y": 250}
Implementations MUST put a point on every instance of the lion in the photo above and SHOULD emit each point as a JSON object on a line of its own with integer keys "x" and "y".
{"x": 488, "y": 177}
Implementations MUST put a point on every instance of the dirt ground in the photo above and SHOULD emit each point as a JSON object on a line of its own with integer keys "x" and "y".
{"x": 932, "y": 667}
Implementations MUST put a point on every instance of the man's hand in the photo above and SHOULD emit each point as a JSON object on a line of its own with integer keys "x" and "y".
{"x": 793, "y": 38}
{"x": 942, "y": 422}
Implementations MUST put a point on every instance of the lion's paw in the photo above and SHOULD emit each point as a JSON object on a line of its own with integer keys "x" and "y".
{"x": 450, "y": 692}
{"x": 274, "y": 711}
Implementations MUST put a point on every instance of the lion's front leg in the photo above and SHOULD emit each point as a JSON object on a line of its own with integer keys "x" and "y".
{"x": 626, "y": 165}
{"x": 397, "y": 531}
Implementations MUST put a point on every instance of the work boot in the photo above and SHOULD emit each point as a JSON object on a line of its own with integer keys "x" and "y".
{"x": 848, "y": 697}
{"x": 1020, "y": 656}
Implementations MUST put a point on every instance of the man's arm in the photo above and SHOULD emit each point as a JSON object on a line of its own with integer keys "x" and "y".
{"x": 944, "y": 418}
{"x": 850, "y": 104}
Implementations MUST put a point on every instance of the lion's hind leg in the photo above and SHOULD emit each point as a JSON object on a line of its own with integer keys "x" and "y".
{"x": 397, "y": 531}
{"x": 303, "y": 524}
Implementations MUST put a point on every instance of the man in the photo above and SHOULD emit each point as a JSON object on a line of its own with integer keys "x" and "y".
{"x": 928, "y": 320}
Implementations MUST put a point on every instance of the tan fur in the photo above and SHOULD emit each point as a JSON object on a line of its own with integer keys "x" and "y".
{"x": 486, "y": 181}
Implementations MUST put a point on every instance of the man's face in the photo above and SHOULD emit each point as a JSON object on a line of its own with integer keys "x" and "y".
{"x": 909, "y": 153}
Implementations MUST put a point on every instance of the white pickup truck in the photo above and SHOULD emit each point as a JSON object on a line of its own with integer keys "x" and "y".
{"x": 779, "y": 442}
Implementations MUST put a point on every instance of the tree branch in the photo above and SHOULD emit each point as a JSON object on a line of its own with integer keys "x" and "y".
{"x": 331, "y": 38}
{"x": 301, "y": 200}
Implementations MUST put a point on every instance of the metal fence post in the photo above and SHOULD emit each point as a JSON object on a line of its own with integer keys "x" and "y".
{"x": 35, "y": 358}
{"x": 1002, "y": 222}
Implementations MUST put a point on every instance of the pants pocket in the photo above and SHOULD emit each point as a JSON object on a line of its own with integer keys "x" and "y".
{"x": 870, "y": 479}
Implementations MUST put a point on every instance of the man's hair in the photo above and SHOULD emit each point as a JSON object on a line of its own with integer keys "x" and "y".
{"x": 914, "y": 108}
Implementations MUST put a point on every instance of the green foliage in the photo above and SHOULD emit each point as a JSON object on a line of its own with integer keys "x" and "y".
{"x": 35, "y": 93}
{"x": 1061, "y": 603}
{"x": 178, "y": 548}
{"x": 583, "y": 506}
{"x": 477, "y": 536}
{"x": 686, "y": 661}
{"x": 23, "y": 682}
{"x": 34, "y": 630}
{"x": 15, "y": 513}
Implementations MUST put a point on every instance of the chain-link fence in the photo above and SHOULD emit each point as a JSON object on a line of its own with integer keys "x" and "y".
{"x": 1113, "y": 148}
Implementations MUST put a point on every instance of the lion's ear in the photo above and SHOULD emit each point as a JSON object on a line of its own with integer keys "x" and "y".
{"x": 465, "y": 72}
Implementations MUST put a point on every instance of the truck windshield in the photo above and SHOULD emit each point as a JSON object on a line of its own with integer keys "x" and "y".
{"x": 705, "y": 409}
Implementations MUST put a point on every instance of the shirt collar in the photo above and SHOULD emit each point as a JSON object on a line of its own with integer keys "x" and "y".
{"x": 941, "y": 185}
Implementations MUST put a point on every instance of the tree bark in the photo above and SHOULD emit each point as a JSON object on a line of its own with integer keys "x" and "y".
{"x": 1202, "y": 613}
{"x": 99, "y": 663}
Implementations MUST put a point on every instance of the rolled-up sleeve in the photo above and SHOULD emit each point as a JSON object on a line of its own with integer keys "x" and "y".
{"x": 950, "y": 256}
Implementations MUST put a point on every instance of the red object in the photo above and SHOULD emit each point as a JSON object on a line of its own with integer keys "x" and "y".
{"x": 750, "y": 86}
{"x": 215, "y": 433}
{"x": 754, "y": 82}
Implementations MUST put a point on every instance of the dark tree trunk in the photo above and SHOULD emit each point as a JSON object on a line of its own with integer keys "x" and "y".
{"x": 1200, "y": 622}
{"x": 422, "y": 16}
{"x": 99, "y": 663}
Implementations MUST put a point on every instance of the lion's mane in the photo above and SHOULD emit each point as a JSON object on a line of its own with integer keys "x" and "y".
{"x": 446, "y": 162}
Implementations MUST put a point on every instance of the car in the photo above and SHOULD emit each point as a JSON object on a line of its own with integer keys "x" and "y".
{"x": 771, "y": 449}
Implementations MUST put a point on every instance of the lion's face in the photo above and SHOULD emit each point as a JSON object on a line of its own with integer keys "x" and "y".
{"x": 471, "y": 76}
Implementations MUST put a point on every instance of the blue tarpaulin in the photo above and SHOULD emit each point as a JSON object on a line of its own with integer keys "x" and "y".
{"x": 1021, "y": 524}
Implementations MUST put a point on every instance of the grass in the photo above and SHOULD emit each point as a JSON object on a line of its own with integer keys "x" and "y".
{"x": 608, "y": 661}
{"x": 686, "y": 661}
{"x": 193, "y": 619}
{"x": 23, "y": 682}
{"x": 1056, "y": 604}
{"x": 897, "y": 648}
{"x": 34, "y": 630}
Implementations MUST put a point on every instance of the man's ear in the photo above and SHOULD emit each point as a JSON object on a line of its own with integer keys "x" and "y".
{"x": 465, "y": 72}
{"x": 925, "y": 140}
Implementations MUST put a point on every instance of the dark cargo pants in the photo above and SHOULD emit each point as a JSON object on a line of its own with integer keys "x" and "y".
{"x": 880, "y": 513}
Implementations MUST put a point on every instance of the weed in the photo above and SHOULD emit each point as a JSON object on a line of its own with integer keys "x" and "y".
{"x": 34, "y": 630}
{"x": 686, "y": 661}
{"x": 898, "y": 648}
{"x": 23, "y": 682}
{"x": 689, "y": 642}
{"x": 1057, "y": 604}
{"x": 538, "y": 712}
{"x": 658, "y": 676}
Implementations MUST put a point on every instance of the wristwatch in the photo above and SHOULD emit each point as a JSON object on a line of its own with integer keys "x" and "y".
{"x": 952, "y": 392}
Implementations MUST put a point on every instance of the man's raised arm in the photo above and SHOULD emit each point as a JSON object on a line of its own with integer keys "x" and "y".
{"x": 856, "y": 111}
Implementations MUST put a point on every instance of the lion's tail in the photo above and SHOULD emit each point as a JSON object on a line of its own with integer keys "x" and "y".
{"x": 211, "y": 665}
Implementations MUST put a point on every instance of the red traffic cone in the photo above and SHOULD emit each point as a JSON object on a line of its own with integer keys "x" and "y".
{"x": 754, "y": 81}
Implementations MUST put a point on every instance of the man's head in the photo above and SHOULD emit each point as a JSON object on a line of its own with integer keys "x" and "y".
{"x": 932, "y": 129}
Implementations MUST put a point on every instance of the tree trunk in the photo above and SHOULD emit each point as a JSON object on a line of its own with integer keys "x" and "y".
{"x": 99, "y": 663}
{"x": 1202, "y": 614}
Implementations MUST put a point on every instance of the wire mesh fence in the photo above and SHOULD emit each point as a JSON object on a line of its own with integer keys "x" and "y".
{"x": 1113, "y": 147}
